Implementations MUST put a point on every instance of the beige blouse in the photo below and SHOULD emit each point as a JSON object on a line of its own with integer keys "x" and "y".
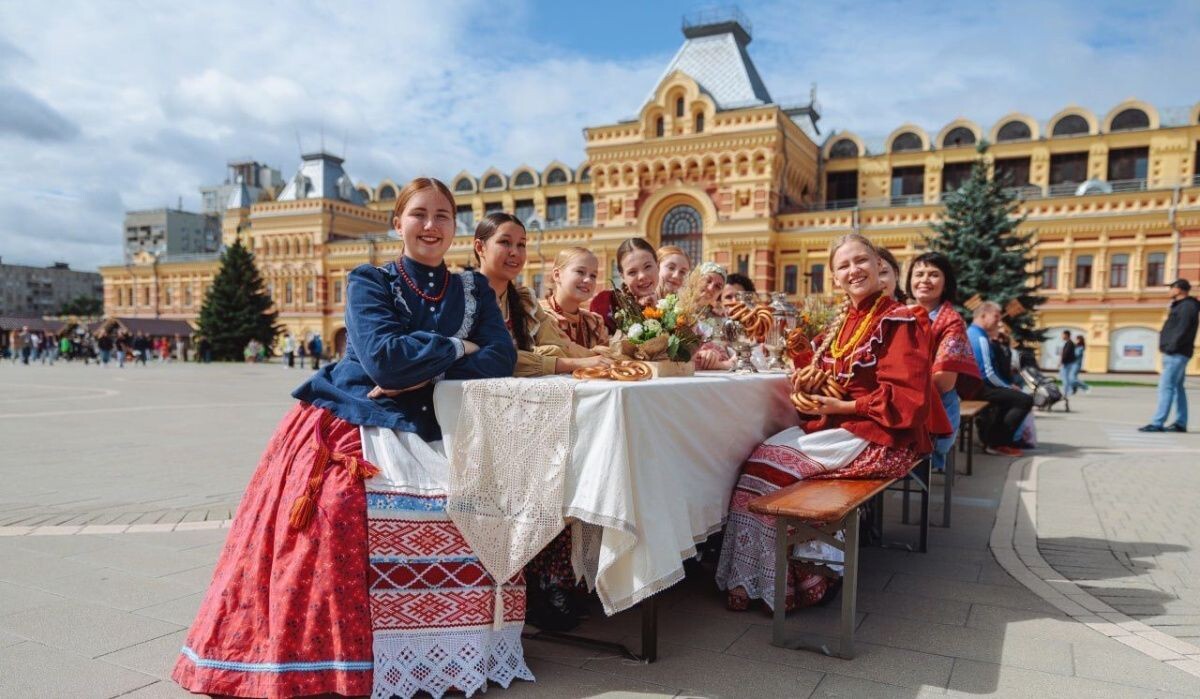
{"x": 549, "y": 341}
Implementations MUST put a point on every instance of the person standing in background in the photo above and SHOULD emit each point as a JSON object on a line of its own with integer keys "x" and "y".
{"x": 1176, "y": 342}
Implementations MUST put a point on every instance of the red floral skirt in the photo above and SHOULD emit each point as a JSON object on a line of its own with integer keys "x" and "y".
{"x": 287, "y": 612}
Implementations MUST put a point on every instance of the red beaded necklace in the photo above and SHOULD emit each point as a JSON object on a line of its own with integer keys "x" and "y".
{"x": 413, "y": 285}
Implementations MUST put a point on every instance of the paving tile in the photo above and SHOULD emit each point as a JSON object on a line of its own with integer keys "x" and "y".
{"x": 557, "y": 681}
{"x": 160, "y": 690}
{"x": 709, "y": 674}
{"x": 155, "y": 657}
{"x": 962, "y": 642}
{"x": 86, "y": 629}
{"x": 150, "y": 561}
{"x": 197, "y": 578}
{"x": 1017, "y": 622}
{"x": 63, "y": 546}
{"x": 855, "y": 688}
{"x": 176, "y": 540}
{"x": 992, "y": 573}
{"x": 17, "y": 598}
{"x": 34, "y": 671}
{"x": 972, "y": 678}
{"x": 180, "y": 611}
{"x": 119, "y": 590}
{"x": 971, "y": 592}
{"x": 1119, "y": 664}
{"x": 916, "y": 607}
{"x": 10, "y": 639}
{"x": 872, "y": 662}
{"x": 34, "y": 569}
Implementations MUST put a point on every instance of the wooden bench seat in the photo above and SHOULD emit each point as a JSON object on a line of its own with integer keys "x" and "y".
{"x": 818, "y": 510}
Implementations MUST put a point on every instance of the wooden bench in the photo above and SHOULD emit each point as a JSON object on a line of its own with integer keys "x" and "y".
{"x": 818, "y": 510}
{"x": 969, "y": 410}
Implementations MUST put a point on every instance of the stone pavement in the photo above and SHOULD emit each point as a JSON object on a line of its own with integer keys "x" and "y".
{"x": 103, "y": 614}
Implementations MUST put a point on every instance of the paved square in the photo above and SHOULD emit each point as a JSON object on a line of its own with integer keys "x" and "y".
{"x": 113, "y": 460}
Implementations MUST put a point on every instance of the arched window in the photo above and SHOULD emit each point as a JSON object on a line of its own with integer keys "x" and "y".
{"x": 493, "y": 181}
{"x": 700, "y": 122}
{"x": 366, "y": 194}
{"x": 585, "y": 175}
{"x": 387, "y": 193}
{"x": 556, "y": 176}
{"x": 844, "y": 148}
{"x": 683, "y": 227}
{"x": 958, "y": 136}
{"x": 524, "y": 178}
{"x": 1130, "y": 119}
{"x": 679, "y": 107}
{"x": 1070, "y": 125}
{"x": 658, "y": 127}
{"x": 1014, "y": 131}
{"x": 463, "y": 185}
{"x": 906, "y": 141}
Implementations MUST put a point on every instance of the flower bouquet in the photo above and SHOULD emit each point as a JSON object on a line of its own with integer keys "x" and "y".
{"x": 665, "y": 334}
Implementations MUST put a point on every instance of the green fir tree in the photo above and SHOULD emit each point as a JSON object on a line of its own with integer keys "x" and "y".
{"x": 237, "y": 307}
{"x": 991, "y": 258}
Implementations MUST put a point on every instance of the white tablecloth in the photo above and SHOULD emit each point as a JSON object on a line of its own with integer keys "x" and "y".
{"x": 652, "y": 468}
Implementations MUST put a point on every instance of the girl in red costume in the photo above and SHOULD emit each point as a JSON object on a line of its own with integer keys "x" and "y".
{"x": 878, "y": 352}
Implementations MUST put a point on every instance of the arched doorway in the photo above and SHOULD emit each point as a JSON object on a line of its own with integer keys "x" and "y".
{"x": 683, "y": 227}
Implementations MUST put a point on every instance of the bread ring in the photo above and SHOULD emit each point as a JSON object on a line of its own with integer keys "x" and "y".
{"x": 834, "y": 389}
{"x": 591, "y": 372}
{"x": 797, "y": 342}
{"x": 630, "y": 371}
{"x": 805, "y": 404}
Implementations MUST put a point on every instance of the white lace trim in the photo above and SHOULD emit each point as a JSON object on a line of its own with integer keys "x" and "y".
{"x": 507, "y": 468}
{"x": 438, "y": 662}
{"x": 469, "y": 304}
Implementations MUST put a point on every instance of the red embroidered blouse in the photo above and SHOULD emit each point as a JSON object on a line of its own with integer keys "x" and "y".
{"x": 890, "y": 380}
{"x": 952, "y": 350}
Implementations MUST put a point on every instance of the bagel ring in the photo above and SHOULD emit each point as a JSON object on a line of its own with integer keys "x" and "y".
{"x": 630, "y": 371}
{"x": 591, "y": 372}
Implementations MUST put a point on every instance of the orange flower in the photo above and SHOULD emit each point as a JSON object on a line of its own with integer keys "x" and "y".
{"x": 651, "y": 312}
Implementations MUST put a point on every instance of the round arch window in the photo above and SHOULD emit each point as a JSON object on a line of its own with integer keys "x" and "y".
{"x": 845, "y": 148}
{"x": 387, "y": 193}
{"x": 523, "y": 179}
{"x": 906, "y": 141}
{"x": 493, "y": 181}
{"x": 1070, "y": 125}
{"x": 463, "y": 185}
{"x": 684, "y": 227}
{"x": 1130, "y": 119}
{"x": 959, "y": 136}
{"x": 556, "y": 176}
{"x": 1014, "y": 131}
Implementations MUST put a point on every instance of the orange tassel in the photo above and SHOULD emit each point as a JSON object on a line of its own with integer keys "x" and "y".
{"x": 361, "y": 469}
{"x": 303, "y": 510}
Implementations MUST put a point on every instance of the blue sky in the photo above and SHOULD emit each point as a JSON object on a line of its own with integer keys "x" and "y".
{"x": 111, "y": 107}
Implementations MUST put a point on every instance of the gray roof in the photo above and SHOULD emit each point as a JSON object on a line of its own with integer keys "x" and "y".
{"x": 239, "y": 198}
{"x": 321, "y": 177}
{"x": 715, "y": 56}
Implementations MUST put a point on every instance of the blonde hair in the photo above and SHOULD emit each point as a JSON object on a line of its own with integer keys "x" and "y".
{"x": 852, "y": 238}
{"x": 563, "y": 259}
{"x": 668, "y": 250}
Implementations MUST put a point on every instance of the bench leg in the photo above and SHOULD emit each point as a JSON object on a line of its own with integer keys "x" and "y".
{"x": 948, "y": 487}
{"x": 778, "y": 635}
{"x": 904, "y": 506}
{"x": 926, "y": 467}
{"x": 970, "y": 446}
{"x": 650, "y": 629}
{"x": 849, "y": 587}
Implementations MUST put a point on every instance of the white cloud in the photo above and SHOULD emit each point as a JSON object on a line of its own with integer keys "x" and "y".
{"x": 131, "y": 106}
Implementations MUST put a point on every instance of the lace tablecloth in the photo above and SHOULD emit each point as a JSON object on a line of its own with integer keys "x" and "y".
{"x": 651, "y": 469}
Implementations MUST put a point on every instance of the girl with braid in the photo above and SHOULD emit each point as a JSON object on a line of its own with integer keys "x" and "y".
{"x": 863, "y": 391}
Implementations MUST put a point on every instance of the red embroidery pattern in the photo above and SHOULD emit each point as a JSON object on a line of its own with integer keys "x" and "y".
{"x": 401, "y": 538}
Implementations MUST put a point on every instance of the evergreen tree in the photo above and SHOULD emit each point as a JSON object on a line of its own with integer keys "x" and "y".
{"x": 236, "y": 308}
{"x": 991, "y": 258}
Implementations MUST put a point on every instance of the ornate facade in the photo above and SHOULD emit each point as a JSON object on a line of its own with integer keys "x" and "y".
{"x": 713, "y": 164}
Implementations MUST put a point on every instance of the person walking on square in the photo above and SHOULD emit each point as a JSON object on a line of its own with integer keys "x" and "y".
{"x": 289, "y": 350}
{"x": 1176, "y": 343}
{"x": 1066, "y": 363}
{"x": 343, "y": 572}
{"x": 315, "y": 348}
{"x": 1076, "y": 383}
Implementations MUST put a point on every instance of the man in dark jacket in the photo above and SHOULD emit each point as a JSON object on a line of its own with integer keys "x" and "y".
{"x": 1176, "y": 343}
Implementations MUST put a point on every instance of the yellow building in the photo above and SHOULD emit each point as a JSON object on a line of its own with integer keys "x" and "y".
{"x": 713, "y": 164}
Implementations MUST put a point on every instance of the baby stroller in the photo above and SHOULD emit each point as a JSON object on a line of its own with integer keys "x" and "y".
{"x": 1045, "y": 390}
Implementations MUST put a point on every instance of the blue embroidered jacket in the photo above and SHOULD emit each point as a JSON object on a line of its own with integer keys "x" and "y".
{"x": 396, "y": 339}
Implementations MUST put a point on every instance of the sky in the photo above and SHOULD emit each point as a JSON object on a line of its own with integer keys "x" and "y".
{"x": 109, "y": 107}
